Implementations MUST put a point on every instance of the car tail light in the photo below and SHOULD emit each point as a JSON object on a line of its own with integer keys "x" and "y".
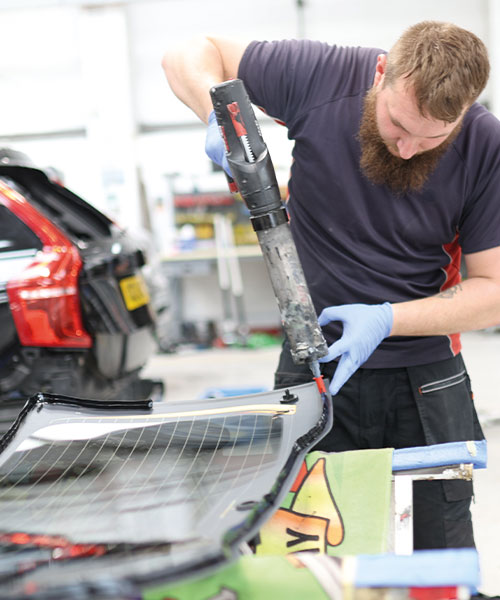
{"x": 44, "y": 297}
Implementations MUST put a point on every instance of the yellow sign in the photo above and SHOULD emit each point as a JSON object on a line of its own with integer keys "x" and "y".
{"x": 135, "y": 292}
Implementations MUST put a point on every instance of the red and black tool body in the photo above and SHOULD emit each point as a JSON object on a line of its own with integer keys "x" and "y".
{"x": 255, "y": 178}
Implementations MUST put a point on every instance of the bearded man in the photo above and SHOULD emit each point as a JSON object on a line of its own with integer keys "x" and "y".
{"x": 396, "y": 173}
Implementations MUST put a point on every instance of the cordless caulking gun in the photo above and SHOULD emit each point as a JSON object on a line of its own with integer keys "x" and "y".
{"x": 255, "y": 179}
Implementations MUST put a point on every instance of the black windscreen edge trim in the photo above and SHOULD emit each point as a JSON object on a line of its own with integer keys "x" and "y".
{"x": 41, "y": 399}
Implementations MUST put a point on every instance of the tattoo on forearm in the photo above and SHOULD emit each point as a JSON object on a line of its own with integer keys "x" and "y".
{"x": 450, "y": 292}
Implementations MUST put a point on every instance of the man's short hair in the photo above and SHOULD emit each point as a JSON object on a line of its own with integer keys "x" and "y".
{"x": 446, "y": 66}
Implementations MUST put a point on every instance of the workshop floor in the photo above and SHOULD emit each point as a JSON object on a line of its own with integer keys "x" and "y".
{"x": 189, "y": 373}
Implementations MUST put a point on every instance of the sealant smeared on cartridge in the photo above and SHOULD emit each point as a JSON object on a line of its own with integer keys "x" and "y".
{"x": 255, "y": 178}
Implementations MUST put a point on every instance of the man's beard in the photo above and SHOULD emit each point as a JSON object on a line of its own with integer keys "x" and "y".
{"x": 381, "y": 167}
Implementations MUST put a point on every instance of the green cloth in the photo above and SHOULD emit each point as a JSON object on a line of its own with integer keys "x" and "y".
{"x": 250, "y": 578}
{"x": 338, "y": 505}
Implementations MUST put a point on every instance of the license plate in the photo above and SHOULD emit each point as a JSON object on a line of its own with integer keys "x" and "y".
{"x": 134, "y": 291}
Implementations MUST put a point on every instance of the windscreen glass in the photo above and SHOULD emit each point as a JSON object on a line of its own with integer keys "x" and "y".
{"x": 185, "y": 483}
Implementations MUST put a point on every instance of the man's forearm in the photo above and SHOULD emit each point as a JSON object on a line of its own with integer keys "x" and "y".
{"x": 472, "y": 304}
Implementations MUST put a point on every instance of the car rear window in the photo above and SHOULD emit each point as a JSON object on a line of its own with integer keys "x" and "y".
{"x": 78, "y": 219}
{"x": 14, "y": 234}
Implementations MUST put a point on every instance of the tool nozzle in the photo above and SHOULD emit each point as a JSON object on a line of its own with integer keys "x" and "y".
{"x": 314, "y": 366}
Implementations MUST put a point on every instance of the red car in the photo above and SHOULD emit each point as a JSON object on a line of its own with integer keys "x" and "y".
{"x": 75, "y": 312}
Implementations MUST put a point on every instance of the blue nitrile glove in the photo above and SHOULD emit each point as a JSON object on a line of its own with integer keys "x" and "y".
{"x": 215, "y": 148}
{"x": 365, "y": 326}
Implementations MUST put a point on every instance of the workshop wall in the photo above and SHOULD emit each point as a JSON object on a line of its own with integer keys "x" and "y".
{"x": 83, "y": 91}
{"x": 60, "y": 61}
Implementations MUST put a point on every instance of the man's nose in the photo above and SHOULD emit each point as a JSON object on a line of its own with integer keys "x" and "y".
{"x": 407, "y": 147}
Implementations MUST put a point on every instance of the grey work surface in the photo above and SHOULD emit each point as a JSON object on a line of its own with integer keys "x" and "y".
{"x": 189, "y": 373}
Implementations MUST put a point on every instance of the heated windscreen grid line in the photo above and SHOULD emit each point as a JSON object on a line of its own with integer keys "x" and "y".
{"x": 225, "y": 504}
{"x": 149, "y": 451}
{"x": 76, "y": 514}
{"x": 82, "y": 498}
{"x": 62, "y": 500}
{"x": 214, "y": 453}
{"x": 36, "y": 499}
{"x": 97, "y": 495}
{"x": 25, "y": 458}
{"x": 263, "y": 453}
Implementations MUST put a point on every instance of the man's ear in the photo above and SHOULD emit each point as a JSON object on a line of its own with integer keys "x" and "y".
{"x": 380, "y": 69}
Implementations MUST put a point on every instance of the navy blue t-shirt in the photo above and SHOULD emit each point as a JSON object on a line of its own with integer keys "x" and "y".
{"x": 357, "y": 241}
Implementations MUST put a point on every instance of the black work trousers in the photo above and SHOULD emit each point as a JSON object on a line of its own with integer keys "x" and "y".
{"x": 400, "y": 408}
